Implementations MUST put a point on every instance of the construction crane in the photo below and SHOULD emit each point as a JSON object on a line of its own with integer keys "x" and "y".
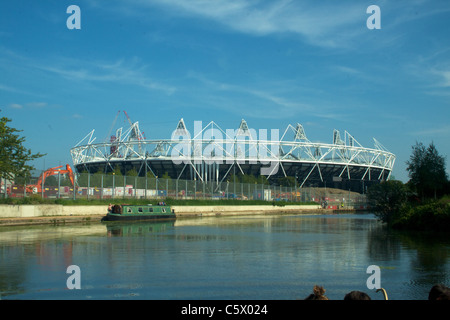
{"x": 112, "y": 127}
{"x": 113, "y": 138}
{"x": 135, "y": 134}
{"x": 36, "y": 188}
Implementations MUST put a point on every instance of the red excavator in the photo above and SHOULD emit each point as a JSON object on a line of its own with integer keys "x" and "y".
{"x": 36, "y": 188}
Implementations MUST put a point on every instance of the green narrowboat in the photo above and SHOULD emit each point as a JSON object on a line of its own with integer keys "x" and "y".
{"x": 127, "y": 212}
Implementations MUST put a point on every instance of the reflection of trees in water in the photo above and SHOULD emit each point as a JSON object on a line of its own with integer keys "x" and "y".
{"x": 430, "y": 264}
{"x": 432, "y": 249}
{"x": 382, "y": 245}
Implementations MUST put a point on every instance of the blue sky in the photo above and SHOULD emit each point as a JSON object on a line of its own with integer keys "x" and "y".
{"x": 272, "y": 63}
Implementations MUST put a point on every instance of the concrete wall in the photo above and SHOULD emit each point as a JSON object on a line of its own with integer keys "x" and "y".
{"x": 42, "y": 210}
{"x": 28, "y": 211}
{"x": 84, "y": 210}
{"x": 231, "y": 210}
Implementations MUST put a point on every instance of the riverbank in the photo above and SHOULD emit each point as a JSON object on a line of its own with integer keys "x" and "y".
{"x": 433, "y": 216}
{"x": 62, "y": 214}
{"x": 49, "y": 214}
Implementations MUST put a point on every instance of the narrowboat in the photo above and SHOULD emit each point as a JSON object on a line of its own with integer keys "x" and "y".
{"x": 127, "y": 212}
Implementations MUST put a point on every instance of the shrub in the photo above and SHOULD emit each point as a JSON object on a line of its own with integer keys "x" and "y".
{"x": 433, "y": 216}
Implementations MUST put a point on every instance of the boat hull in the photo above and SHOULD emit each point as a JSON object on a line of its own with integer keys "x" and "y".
{"x": 136, "y": 217}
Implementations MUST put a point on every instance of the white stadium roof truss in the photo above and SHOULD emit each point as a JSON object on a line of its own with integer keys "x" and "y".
{"x": 213, "y": 146}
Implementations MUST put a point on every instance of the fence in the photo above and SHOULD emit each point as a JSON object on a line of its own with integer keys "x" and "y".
{"x": 107, "y": 186}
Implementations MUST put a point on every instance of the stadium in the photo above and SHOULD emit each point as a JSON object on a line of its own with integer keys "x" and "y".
{"x": 211, "y": 154}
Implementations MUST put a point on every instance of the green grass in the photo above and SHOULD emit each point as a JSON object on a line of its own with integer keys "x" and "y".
{"x": 168, "y": 201}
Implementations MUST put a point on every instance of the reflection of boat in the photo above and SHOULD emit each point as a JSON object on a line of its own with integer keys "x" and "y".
{"x": 126, "y": 212}
{"x": 137, "y": 229}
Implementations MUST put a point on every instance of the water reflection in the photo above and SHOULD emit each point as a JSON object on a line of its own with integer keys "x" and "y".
{"x": 136, "y": 228}
{"x": 251, "y": 257}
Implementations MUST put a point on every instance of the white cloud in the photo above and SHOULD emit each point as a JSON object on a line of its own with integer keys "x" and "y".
{"x": 11, "y": 89}
{"x": 7, "y": 88}
{"x": 325, "y": 23}
{"x": 444, "y": 76}
{"x": 33, "y": 105}
{"x": 37, "y": 104}
{"x": 16, "y": 106}
{"x": 260, "y": 100}
{"x": 124, "y": 71}
{"x": 435, "y": 131}
{"x": 316, "y": 23}
{"x": 77, "y": 116}
{"x": 348, "y": 70}
{"x": 102, "y": 71}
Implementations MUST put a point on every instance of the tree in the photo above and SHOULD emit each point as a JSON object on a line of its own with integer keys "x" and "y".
{"x": 234, "y": 178}
{"x": 117, "y": 177}
{"x": 96, "y": 179}
{"x": 287, "y": 181}
{"x": 248, "y": 179}
{"x": 14, "y": 157}
{"x": 151, "y": 180}
{"x": 131, "y": 177}
{"x": 132, "y": 173}
{"x": 426, "y": 170}
{"x": 51, "y": 181}
{"x": 262, "y": 180}
{"x": 387, "y": 198}
{"x": 166, "y": 176}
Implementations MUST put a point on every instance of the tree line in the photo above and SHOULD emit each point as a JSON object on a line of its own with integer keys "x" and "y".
{"x": 423, "y": 203}
{"x": 14, "y": 156}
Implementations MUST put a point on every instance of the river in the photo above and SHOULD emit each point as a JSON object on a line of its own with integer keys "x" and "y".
{"x": 279, "y": 257}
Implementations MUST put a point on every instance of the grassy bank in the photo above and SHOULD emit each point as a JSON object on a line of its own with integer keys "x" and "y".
{"x": 169, "y": 201}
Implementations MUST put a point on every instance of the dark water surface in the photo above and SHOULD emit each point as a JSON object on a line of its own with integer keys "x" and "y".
{"x": 232, "y": 258}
